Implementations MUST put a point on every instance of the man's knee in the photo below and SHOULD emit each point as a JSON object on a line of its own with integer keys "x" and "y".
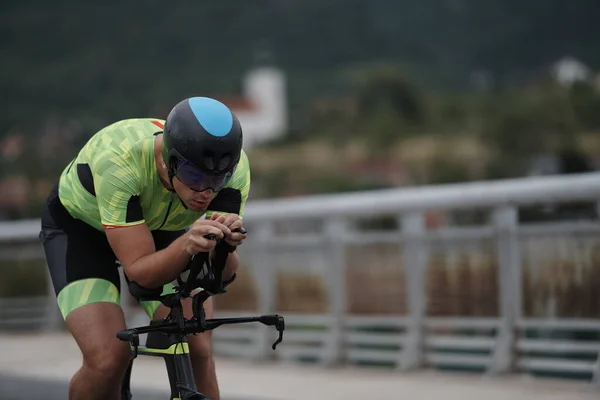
{"x": 201, "y": 346}
{"x": 108, "y": 363}
{"x": 94, "y": 327}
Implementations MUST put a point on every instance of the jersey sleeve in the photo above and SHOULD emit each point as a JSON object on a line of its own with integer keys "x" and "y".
{"x": 232, "y": 198}
{"x": 117, "y": 186}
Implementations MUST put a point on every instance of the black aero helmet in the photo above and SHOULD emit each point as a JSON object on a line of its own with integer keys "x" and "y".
{"x": 202, "y": 143}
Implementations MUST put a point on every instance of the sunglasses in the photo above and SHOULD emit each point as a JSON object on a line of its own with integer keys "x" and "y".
{"x": 200, "y": 181}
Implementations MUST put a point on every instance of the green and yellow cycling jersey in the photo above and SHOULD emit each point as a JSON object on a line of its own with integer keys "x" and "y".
{"x": 113, "y": 181}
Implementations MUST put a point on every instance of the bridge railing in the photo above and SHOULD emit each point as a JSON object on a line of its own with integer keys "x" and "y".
{"x": 495, "y": 276}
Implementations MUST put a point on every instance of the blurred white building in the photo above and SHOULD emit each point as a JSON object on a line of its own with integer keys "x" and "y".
{"x": 262, "y": 107}
{"x": 569, "y": 70}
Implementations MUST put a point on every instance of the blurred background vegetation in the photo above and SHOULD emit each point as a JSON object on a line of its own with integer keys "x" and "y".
{"x": 380, "y": 93}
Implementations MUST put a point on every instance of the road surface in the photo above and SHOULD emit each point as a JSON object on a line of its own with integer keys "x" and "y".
{"x": 40, "y": 365}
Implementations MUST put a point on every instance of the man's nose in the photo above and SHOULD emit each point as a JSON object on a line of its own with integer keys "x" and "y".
{"x": 207, "y": 194}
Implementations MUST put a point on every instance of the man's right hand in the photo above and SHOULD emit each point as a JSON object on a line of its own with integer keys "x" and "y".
{"x": 197, "y": 243}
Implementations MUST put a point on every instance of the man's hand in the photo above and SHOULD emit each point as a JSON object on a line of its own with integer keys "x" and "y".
{"x": 232, "y": 222}
{"x": 197, "y": 243}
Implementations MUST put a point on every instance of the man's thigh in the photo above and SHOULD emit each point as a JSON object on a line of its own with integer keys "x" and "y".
{"x": 86, "y": 282}
{"x": 94, "y": 327}
{"x": 82, "y": 265}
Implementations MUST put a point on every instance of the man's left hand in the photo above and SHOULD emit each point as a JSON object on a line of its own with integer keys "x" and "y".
{"x": 233, "y": 222}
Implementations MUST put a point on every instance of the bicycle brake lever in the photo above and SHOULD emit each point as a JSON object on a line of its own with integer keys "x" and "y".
{"x": 279, "y": 340}
{"x": 280, "y": 326}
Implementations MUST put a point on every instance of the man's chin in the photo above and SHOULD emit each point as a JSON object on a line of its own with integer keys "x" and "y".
{"x": 196, "y": 205}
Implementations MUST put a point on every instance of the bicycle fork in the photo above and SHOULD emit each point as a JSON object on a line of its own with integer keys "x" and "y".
{"x": 174, "y": 349}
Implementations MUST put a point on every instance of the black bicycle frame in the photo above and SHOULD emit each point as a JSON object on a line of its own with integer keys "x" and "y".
{"x": 167, "y": 338}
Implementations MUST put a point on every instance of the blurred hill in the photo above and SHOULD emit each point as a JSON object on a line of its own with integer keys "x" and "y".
{"x": 381, "y": 93}
{"x": 94, "y": 61}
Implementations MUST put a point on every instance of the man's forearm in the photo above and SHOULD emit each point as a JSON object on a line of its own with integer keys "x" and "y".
{"x": 161, "y": 267}
{"x": 231, "y": 266}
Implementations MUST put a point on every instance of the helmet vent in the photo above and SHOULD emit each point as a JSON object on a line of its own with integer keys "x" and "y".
{"x": 209, "y": 160}
{"x": 224, "y": 161}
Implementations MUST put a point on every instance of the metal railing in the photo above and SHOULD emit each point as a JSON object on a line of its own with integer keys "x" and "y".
{"x": 450, "y": 276}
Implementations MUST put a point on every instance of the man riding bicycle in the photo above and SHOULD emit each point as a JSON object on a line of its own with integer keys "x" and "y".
{"x": 142, "y": 193}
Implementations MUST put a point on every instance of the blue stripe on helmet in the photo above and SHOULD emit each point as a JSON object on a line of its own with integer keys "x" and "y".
{"x": 213, "y": 115}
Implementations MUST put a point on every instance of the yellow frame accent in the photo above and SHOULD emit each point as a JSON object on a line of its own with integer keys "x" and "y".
{"x": 177, "y": 348}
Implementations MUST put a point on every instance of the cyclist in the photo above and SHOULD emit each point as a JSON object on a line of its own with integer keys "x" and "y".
{"x": 142, "y": 193}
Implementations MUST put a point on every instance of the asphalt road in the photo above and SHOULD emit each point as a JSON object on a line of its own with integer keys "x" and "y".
{"x": 18, "y": 388}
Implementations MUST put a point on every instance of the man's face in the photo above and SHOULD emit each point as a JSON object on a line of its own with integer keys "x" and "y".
{"x": 196, "y": 201}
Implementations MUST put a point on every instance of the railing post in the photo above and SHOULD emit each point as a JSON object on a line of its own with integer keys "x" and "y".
{"x": 505, "y": 220}
{"x": 264, "y": 274}
{"x": 414, "y": 255}
{"x": 596, "y": 372}
{"x": 335, "y": 231}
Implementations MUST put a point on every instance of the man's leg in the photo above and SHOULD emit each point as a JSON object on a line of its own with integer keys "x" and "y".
{"x": 86, "y": 282}
{"x": 105, "y": 358}
{"x": 200, "y": 350}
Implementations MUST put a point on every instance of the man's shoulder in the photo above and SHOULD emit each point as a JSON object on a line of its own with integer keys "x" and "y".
{"x": 135, "y": 125}
{"x": 244, "y": 161}
{"x": 242, "y": 170}
{"x": 123, "y": 136}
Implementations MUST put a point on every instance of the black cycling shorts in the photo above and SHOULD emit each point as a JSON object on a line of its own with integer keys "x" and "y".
{"x": 83, "y": 266}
